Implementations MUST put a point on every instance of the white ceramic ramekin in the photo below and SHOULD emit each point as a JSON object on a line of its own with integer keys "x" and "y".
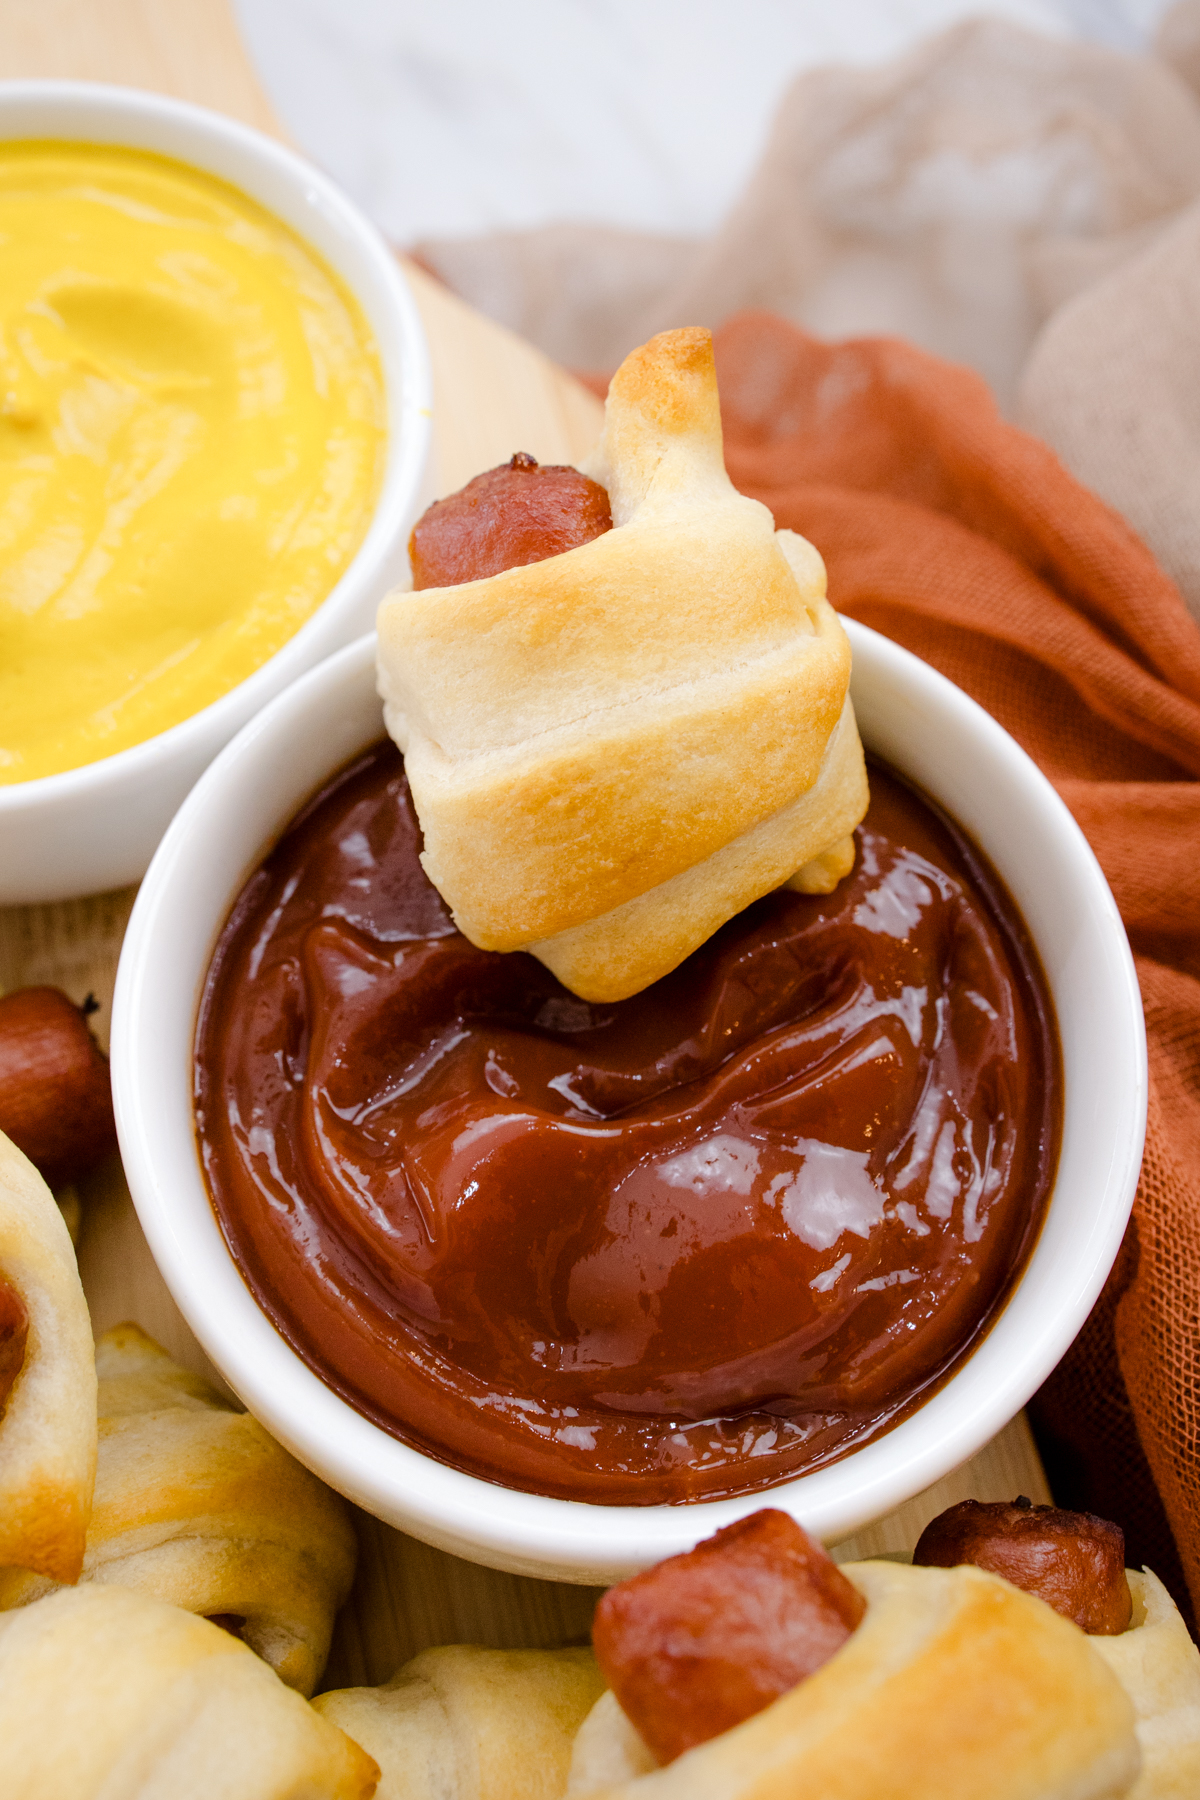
{"x": 922, "y": 725}
{"x": 97, "y": 827}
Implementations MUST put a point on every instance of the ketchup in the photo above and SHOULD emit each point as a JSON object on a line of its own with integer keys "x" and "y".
{"x": 680, "y": 1246}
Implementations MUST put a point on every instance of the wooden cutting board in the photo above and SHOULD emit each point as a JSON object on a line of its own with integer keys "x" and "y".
{"x": 493, "y": 394}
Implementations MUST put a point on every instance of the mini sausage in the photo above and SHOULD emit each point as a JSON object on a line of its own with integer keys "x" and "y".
{"x": 513, "y": 515}
{"x": 705, "y": 1640}
{"x": 1073, "y": 1561}
{"x": 55, "y": 1096}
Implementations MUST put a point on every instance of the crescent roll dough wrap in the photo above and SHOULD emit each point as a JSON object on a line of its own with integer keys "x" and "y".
{"x": 197, "y": 1505}
{"x": 616, "y": 749}
{"x": 106, "y": 1694}
{"x": 462, "y": 1723}
{"x": 955, "y": 1686}
{"x": 1158, "y": 1665}
{"x": 48, "y": 1419}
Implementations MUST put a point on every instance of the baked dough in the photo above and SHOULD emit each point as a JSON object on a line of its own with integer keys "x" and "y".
{"x": 1158, "y": 1665}
{"x": 468, "y": 1724}
{"x": 197, "y": 1505}
{"x": 955, "y": 1686}
{"x": 106, "y": 1694}
{"x": 613, "y": 751}
{"x": 609, "y": 1751}
{"x": 48, "y": 1427}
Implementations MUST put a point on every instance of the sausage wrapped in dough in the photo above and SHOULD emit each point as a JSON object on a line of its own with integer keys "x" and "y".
{"x": 614, "y": 750}
{"x": 462, "y": 1723}
{"x": 106, "y": 1694}
{"x": 47, "y": 1381}
{"x": 1075, "y": 1562}
{"x": 955, "y": 1686}
{"x": 197, "y": 1505}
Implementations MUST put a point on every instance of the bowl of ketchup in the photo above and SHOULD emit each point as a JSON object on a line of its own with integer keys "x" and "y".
{"x": 564, "y": 1289}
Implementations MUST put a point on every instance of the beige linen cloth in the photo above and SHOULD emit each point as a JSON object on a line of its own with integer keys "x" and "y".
{"x": 1025, "y": 205}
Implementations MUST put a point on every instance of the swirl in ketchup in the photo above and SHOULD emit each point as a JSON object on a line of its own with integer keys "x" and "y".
{"x": 680, "y": 1246}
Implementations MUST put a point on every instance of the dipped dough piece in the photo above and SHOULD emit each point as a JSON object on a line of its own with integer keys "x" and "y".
{"x": 614, "y": 750}
{"x": 955, "y": 1686}
{"x": 461, "y": 1723}
{"x": 48, "y": 1425}
{"x": 199, "y": 1506}
{"x": 109, "y": 1694}
{"x": 1158, "y": 1665}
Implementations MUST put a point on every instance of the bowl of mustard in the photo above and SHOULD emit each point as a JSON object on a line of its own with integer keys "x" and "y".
{"x": 215, "y": 408}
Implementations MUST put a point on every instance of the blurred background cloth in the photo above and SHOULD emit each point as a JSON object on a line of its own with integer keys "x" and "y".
{"x": 465, "y": 118}
{"x": 954, "y": 196}
{"x": 1015, "y": 187}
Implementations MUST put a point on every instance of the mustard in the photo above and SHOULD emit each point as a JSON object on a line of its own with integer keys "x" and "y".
{"x": 191, "y": 445}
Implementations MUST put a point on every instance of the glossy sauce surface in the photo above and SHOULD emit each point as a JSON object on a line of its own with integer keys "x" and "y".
{"x": 191, "y": 445}
{"x": 680, "y": 1246}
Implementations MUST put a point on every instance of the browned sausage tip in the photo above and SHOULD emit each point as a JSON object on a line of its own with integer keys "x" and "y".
{"x": 517, "y": 514}
{"x": 1073, "y": 1561}
{"x": 705, "y": 1640}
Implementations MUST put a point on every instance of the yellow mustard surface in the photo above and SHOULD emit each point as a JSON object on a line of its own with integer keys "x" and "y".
{"x": 191, "y": 445}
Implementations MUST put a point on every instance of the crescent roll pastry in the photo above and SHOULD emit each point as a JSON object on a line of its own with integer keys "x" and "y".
{"x": 462, "y": 1723}
{"x": 1075, "y": 1562}
{"x": 614, "y": 750}
{"x": 106, "y": 1694}
{"x": 1158, "y": 1665}
{"x": 197, "y": 1505}
{"x": 955, "y": 1686}
{"x": 47, "y": 1381}
{"x": 609, "y": 1753}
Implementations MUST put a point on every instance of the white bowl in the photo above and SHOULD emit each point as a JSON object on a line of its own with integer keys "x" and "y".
{"x": 97, "y": 827}
{"x": 923, "y": 726}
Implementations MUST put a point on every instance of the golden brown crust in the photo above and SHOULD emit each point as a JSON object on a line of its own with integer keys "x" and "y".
{"x": 954, "y": 1687}
{"x": 106, "y": 1694}
{"x": 48, "y": 1428}
{"x": 583, "y": 730}
{"x": 462, "y": 1723}
{"x": 623, "y": 951}
{"x": 197, "y": 1505}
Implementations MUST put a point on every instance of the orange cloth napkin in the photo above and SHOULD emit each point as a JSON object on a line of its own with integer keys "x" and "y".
{"x": 966, "y": 540}
{"x": 1024, "y": 204}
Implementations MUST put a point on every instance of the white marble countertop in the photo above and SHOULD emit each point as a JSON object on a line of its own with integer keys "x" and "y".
{"x": 463, "y": 117}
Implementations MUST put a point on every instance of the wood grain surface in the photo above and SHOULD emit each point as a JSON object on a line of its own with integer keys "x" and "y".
{"x": 493, "y": 394}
